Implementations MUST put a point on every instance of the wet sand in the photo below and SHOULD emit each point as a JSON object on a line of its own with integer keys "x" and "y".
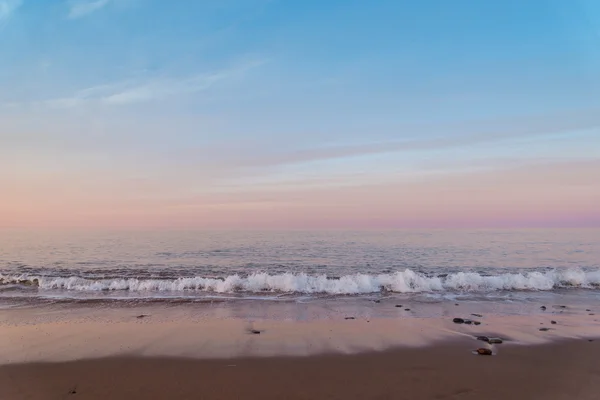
{"x": 564, "y": 370}
{"x": 326, "y": 350}
{"x": 69, "y": 332}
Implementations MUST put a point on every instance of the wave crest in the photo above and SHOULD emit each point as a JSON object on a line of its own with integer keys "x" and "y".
{"x": 406, "y": 281}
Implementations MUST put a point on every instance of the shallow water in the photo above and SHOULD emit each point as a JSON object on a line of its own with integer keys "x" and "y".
{"x": 425, "y": 266}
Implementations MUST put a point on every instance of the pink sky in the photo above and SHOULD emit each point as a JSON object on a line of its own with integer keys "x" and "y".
{"x": 553, "y": 194}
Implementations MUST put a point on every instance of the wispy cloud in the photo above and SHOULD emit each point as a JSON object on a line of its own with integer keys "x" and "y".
{"x": 149, "y": 89}
{"x": 467, "y": 134}
{"x": 7, "y": 8}
{"x": 81, "y": 8}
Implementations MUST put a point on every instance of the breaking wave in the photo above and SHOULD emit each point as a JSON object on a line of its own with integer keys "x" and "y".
{"x": 406, "y": 281}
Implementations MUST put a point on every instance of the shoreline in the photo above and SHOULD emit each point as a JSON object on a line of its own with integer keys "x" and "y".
{"x": 65, "y": 333}
{"x": 562, "y": 370}
{"x": 316, "y": 350}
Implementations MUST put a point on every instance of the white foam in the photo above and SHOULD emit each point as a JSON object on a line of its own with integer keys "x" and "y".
{"x": 406, "y": 281}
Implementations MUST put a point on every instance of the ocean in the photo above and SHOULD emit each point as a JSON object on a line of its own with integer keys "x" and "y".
{"x": 297, "y": 266}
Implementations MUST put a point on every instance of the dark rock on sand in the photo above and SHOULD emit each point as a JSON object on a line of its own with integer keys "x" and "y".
{"x": 349, "y": 318}
{"x": 553, "y": 322}
{"x": 544, "y": 329}
{"x": 495, "y": 340}
{"x": 465, "y": 321}
{"x": 399, "y": 305}
{"x": 477, "y": 315}
{"x": 407, "y": 309}
{"x": 484, "y": 352}
{"x": 587, "y": 309}
{"x": 591, "y": 314}
{"x": 142, "y": 316}
{"x": 562, "y": 306}
{"x": 377, "y": 301}
{"x": 543, "y": 308}
{"x": 483, "y": 339}
{"x": 254, "y": 331}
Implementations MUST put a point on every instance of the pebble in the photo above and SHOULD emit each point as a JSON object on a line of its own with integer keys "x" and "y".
{"x": 477, "y": 315}
{"x": 254, "y": 331}
{"x": 399, "y": 305}
{"x": 458, "y": 321}
{"x": 553, "y": 322}
{"x": 484, "y": 352}
{"x": 489, "y": 340}
{"x": 349, "y": 318}
{"x": 543, "y": 308}
{"x": 544, "y": 329}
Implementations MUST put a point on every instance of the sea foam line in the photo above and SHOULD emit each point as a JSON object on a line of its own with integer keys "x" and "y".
{"x": 406, "y": 281}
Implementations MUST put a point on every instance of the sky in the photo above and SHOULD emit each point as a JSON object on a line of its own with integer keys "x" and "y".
{"x": 299, "y": 114}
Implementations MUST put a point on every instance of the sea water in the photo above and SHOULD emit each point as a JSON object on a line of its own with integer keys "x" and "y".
{"x": 420, "y": 265}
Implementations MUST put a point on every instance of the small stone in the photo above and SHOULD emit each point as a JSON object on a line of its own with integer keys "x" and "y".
{"x": 399, "y": 305}
{"x": 544, "y": 329}
{"x": 458, "y": 321}
{"x": 255, "y": 331}
{"x": 349, "y": 318}
{"x": 142, "y": 316}
{"x": 591, "y": 314}
{"x": 468, "y": 322}
{"x": 587, "y": 309}
{"x": 377, "y": 301}
{"x": 495, "y": 340}
{"x": 483, "y": 339}
{"x": 562, "y": 306}
{"x": 477, "y": 315}
{"x": 455, "y": 304}
{"x": 484, "y": 352}
{"x": 407, "y": 309}
{"x": 543, "y": 308}
{"x": 476, "y": 323}
{"x": 553, "y": 322}
{"x": 590, "y": 340}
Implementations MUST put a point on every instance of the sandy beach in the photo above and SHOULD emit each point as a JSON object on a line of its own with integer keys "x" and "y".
{"x": 322, "y": 350}
{"x": 565, "y": 370}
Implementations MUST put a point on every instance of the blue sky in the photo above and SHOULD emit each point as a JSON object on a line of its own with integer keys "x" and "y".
{"x": 200, "y": 96}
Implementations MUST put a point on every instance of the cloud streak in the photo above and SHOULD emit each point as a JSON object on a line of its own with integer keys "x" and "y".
{"x": 489, "y": 132}
{"x": 7, "y": 8}
{"x": 145, "y": 90}
{"x": 79, "y": 9}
